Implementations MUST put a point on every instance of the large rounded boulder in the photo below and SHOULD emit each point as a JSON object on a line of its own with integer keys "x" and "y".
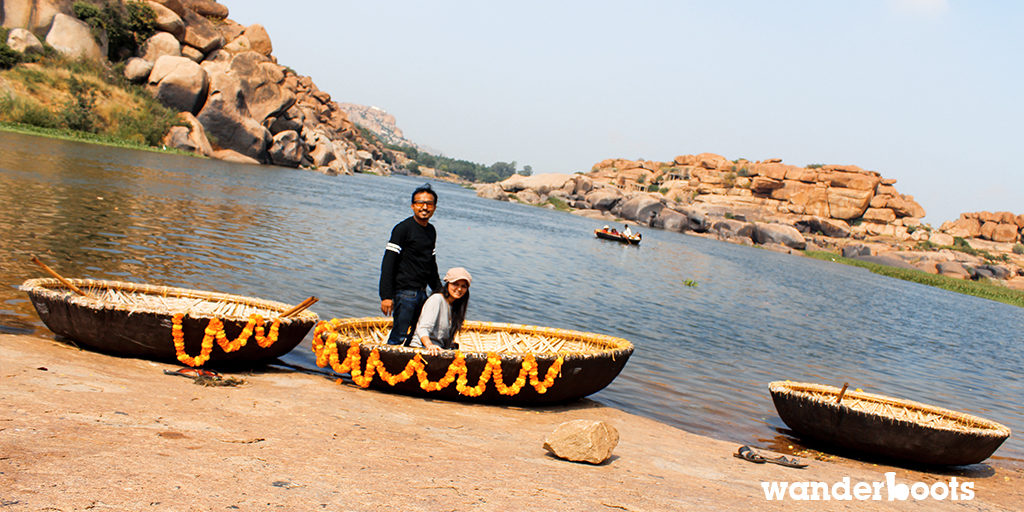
{"x": 779, "y": 234}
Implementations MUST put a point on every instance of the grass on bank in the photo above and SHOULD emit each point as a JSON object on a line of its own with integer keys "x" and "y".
{"x": 983, "y": 288}
{"x": 80, "y": 100}
{"x": 80, "y": 136}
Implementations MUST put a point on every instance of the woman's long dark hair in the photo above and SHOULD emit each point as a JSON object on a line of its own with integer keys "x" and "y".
{"x": 458, "y": 308}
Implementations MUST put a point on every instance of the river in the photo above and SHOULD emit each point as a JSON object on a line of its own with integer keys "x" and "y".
{"x": 704, "y": 354}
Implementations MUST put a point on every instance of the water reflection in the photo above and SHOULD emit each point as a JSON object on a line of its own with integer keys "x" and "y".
{"x": 704, "y": 354}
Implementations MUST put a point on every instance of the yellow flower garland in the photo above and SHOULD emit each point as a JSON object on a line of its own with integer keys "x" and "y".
{"x": 215, "y": 331}
{"x": 325, "y": 347}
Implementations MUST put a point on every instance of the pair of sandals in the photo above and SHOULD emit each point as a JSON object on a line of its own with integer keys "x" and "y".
{"x": 747, "y": 453}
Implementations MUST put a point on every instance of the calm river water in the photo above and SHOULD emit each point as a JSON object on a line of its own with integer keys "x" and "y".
{"x": 704, "y": 355}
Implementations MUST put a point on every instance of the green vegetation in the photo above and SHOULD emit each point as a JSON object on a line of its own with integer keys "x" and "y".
{"x": 80, "y": 100}
{"x": 815, "y": 166}
{"x": 79, "y": 111}
{"x": 730, "y": 180}
{"x": 1018, "y": 248}
{"x": 8, "y": 57}
{"x": 127, "y": 26}
{"x": 983, "y": 289}
{"x": 92, "y": 138}
{"x": 961, "y": 245}
{"x": 464, "y": 169}
{"x": 559, "y": 204}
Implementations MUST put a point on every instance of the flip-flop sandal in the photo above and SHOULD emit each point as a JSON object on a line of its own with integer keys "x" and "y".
{"x": 786, "y": 461}
{"x": 193, "y": 373}
{"x": 748, "y": 453}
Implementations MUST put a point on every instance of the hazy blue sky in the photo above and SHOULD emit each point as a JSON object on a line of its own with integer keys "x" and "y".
{"x": 928, "y": 92}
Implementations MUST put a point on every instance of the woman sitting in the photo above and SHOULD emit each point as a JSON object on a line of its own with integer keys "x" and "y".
{"x": 443, "y": 313}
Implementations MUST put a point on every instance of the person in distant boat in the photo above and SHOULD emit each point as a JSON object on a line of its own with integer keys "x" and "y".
{"x": 409, "y": 266}
{"x": 605, "y": 228}
{"x": 627, "y": 231}
{"x": 443, "y": 313}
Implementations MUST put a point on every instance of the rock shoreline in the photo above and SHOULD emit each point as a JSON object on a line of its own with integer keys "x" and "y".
{"x": 841, "y": 209}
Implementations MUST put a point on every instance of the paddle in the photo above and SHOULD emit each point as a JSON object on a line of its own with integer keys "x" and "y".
{"x": 839, "y": 399}
{"x": 300, "y": 307}
{"x": 61, "y": 278}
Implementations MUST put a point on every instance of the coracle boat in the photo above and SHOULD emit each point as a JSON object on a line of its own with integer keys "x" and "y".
{"x": 162, "y": 323}
{"x": 495, "y": 362}
{"x": 618, "y": 237}
{"x": 884, "y": 426}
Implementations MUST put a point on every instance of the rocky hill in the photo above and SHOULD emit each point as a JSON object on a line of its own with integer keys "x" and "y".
{"x": 842, "y": 208}
{"x": 236, "y": 101}
{"x": 379, "y": 122}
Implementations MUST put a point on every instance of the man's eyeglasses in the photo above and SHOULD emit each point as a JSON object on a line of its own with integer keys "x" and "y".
{"x": 428, "y": 203}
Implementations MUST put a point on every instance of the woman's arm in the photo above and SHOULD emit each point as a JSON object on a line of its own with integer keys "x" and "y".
{"x": 429, "y": 317}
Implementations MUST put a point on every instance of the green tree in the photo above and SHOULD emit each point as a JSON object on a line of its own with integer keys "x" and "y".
{"x": 126, "y": 27}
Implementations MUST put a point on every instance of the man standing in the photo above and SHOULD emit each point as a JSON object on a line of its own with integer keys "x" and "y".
{"x": 409, "y": 266}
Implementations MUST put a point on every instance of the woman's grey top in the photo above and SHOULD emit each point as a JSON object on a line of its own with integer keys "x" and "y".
{"x": 435, "y": 322}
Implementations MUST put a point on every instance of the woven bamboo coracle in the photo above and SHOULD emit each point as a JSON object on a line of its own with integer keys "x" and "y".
{"x": 164, "y": 300}
{"x": 500, "y": 338}
{"x": 590, "y": 361}
{"x": 886, "y": 426}
{"x": 135, "y": 320}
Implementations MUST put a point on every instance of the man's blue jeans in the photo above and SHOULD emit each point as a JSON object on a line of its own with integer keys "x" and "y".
{"x": 406, "y": 311}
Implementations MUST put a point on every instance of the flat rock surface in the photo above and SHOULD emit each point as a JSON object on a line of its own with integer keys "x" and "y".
{"x": 81, "y": 430}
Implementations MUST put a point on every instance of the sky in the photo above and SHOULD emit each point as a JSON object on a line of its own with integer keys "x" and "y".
{"x": 927, "y": 92}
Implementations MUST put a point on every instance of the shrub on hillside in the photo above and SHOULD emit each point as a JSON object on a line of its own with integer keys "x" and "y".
{"x": 79, "y": 111}
{"x": 22, "y": 111}
{"x": 147, "y": 123}
{"x": 8, "y": 56}
{"x": 127, "y": 26}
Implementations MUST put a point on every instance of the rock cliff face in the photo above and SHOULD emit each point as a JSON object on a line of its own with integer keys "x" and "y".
{"x": 838, "y": 207}
{"x": 236, "y": 101}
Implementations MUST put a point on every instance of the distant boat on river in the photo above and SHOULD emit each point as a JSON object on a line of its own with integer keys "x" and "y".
{"x": 614, "y": 235}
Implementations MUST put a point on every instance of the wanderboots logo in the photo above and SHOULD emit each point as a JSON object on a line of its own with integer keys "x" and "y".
{"x": 844, "y": 490}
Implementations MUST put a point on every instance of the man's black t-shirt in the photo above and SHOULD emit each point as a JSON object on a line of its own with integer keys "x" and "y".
{"x": 410, "y": 261}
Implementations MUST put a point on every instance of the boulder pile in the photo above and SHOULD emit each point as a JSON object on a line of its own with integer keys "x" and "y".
{"x": 1002, "y": 227}
{"x": 236, "y": 102}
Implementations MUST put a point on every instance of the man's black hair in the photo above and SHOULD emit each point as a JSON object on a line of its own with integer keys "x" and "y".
{"x": 423, "y": 188}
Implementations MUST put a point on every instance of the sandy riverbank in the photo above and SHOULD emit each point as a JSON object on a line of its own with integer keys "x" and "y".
{"x": 80, "y": 430}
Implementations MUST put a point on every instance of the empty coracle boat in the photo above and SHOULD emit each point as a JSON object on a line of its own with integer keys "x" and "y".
{"x": 884, "y": 426}
{"x": 163, "y": 323}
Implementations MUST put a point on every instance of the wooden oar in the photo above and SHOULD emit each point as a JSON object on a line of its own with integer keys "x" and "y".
{"x": 61, "y": 278}
{"x": 300, "y": 307}
{"x": 839, "y": 399}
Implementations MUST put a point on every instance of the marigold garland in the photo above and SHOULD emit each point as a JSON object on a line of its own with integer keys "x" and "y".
{"x": 325, "y": 347}
{"x": 215, "y": 331}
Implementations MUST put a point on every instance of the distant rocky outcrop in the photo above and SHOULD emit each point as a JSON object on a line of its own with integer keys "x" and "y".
{"x": 1004, "y": 227}
{"x": 379, "y": 122}
{"x": 245, "y": 106}
{"x": 779, "y": 206}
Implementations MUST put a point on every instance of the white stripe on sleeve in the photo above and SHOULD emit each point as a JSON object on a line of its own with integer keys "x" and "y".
{"x": 395, "y": 248}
